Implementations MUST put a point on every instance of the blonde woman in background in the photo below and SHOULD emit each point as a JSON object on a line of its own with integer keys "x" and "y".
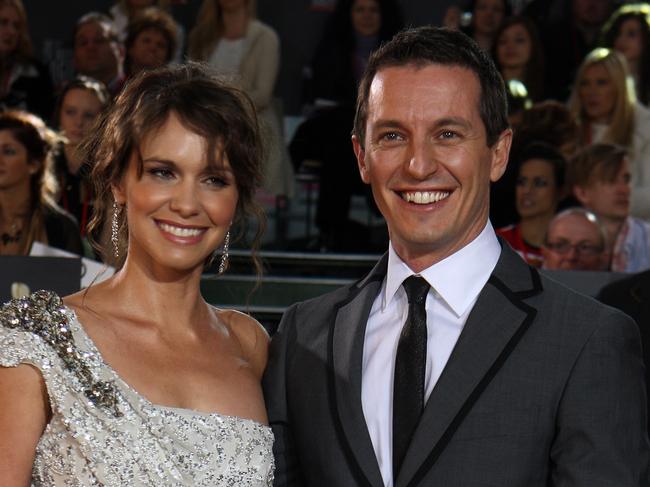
{"x": 604, "y": 104}
{"x": 229, "y": 38}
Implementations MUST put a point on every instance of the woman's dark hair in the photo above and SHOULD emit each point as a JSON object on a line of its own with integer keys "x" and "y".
{"x": 220, "y": 113}
{"x": 612, "y": 29}
{"x": 534, "y": 70}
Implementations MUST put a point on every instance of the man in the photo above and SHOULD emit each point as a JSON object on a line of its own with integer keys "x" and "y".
{"x": 511, "y": 380}
{"x": 600, "y": 179}
{"x": 576, "y": 241}
{"x": 97, "y": 51}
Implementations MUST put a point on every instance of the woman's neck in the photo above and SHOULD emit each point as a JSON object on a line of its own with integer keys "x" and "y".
{"x": 15, "y": 203}
{"x": 235, "y": 23}
{"x": 171, "y": 299}
{"x": 73, "y": 161}
{"x": 513, "y": 73}
{"x": 533, "y": 229}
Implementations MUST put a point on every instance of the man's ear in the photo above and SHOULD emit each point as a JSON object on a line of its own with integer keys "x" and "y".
{"x": 500, "y": 153}
{"x": 360, "y": 154}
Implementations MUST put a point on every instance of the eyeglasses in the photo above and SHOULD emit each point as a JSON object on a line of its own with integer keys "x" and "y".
{"x": 581, "y": 248}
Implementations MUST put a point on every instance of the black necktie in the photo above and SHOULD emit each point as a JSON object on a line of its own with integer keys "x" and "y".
{"x": 410, "y": 368}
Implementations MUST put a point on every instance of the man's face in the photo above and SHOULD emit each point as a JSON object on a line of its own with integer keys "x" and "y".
{"x": 427, "y": 160}
{"x": 95, "y": 54}
{"x": 608, "y": 199}
{"x": 591, "y": 12}
{"x": 574, "y": 243}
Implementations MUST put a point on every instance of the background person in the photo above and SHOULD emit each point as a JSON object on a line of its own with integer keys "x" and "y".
{"x": 78, "y": 106}
{"x": 24, "y": 83}
{"x": 137, "y": 378}
{"x": 150, "y": 42}
{"x": 98, "y": 52}
{"x": 576, "y": 241}
{"x": 28, "y": 187}
{"x": 628, "y": 31}
{"x": 599, "y": 176}
{"x": 539, "y": 189}
{"x": 606, "y": 110}
{"x": 230, "y": 39}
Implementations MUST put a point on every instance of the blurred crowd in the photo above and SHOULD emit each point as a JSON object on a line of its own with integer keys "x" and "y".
{"x": 576, "y": 194}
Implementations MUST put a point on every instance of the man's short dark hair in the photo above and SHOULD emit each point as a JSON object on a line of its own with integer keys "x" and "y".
{"x": 422, "y": 46}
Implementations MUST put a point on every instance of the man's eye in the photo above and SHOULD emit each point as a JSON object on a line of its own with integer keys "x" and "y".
{"x": 448, "y": 134}
{"x": 391, "y": 136}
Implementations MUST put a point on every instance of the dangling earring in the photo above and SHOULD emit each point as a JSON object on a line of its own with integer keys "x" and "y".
{"x": 115, "y": 227}
{"x": 224, "y": 254}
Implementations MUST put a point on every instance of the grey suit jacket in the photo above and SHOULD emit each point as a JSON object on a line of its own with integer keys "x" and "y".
{"x": 543, "y": 388}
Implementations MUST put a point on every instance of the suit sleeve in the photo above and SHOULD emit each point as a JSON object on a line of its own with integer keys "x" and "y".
{"x": 287, "y": 467}
{"x": 601, "y": 433}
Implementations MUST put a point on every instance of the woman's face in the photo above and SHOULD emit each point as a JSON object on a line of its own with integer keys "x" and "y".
{"x": 536, "y": 192}
{"x": 366, "y": 17}
{"x": 79, "y": 109}
{"x": 16, "y": 168}
{"x": 514, "y": 47}
{"x": 10, "y": 27}
{"x": 149, "y": 50}
{"x": 629, "y": 40}
{"x": 179, "y": 209}
{"x": 597, "y": 94}
{"x": 488, "y": 15}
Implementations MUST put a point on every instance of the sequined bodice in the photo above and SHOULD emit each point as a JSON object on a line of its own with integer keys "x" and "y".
{"x": 103, "y": 433}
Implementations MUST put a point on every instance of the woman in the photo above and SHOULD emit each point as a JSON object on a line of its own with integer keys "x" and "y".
{"x": 519, "y": 55}
{"x": 628, "y": 31}
{"x": 229, "y": 37}
{"x": 137, "y": 380}
{"x": 124, "y": 12}
{"x": 151, "y": 41}
{"x": 24, "y": 83}
{"x": 485, "y": 17}
{"x": 355, "y": 29}
{"x": 539, "y": 188}
{"x": 605, "y": 107}
{"x": 78, "y": 106}
{"x": 28, "y": 212}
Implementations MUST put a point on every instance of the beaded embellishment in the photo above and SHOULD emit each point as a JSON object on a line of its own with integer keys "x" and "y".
{"x": 44, "y": 315}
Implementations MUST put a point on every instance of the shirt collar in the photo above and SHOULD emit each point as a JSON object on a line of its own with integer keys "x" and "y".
{"x": 457, "y": 279}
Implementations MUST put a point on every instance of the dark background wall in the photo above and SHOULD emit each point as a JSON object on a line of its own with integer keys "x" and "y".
{"x": 298, "y": 23}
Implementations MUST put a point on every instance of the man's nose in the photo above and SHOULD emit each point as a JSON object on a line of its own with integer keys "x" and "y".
{"x": 423, "y": 161}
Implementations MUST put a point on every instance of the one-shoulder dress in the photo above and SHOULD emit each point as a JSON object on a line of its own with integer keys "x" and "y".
{"x": 103, "y": 433}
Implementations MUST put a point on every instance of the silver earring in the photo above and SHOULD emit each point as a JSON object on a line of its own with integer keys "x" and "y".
{"x": 224, "y": 254}
{"x": 115, "y": 227}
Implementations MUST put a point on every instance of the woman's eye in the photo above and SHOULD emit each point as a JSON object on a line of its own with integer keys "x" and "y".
{"x": 216, "y": 181}
{"x": 161, "y": 173}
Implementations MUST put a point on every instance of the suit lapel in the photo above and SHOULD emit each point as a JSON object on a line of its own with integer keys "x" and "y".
{"x": 495, "y": 325}
{"x": 346, "y": 351}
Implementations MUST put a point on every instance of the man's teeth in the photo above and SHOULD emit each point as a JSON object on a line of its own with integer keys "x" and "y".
{"x": 180, "y": 232}
{"x": 425, "y": 197}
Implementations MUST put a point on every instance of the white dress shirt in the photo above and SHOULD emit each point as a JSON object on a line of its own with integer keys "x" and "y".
{"x": 456, "y": 282}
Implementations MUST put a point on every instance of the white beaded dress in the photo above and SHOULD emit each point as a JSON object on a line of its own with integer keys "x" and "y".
{"x": 103, "y": 433}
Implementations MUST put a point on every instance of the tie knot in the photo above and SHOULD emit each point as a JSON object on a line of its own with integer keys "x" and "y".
{"x": 416, "y": 288}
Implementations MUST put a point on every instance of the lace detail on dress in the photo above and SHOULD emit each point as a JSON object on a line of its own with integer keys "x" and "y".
{"x": 87, "y": 444}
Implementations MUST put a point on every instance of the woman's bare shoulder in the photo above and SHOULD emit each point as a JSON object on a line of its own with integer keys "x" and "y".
{"x": 250, "y": 333}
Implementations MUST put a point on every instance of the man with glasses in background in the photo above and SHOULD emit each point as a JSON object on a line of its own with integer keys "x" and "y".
{"x": 575, "y": 240}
